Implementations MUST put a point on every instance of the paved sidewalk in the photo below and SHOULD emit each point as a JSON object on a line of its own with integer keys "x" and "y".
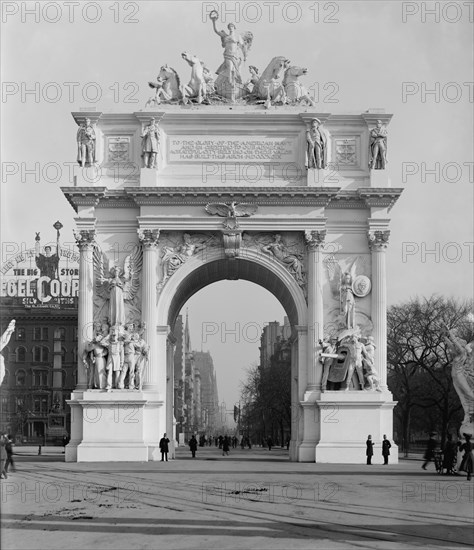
{"x": 252, "y": 499}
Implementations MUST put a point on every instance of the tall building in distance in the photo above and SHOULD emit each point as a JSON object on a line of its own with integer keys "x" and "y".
{"x": 209, "y": 394}
{"x": 273, "y": 336}
{"x": 196, "y": 403}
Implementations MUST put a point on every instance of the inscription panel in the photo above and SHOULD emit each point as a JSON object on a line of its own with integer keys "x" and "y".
{"x": 237, "y": 149}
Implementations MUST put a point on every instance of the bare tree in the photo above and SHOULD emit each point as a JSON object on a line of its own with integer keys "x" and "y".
{"x": 419, "y": 366}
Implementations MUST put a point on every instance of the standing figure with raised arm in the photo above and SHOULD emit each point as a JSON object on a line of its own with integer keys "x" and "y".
{"x": 229, "y": 81}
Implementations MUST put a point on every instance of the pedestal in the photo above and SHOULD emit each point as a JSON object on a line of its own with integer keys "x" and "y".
{"x": 148, "y": 177}
{"x": 379, "y": 178}
{"x": 347, "y": 418}
{"x": 115, "y": 426}
{"x": 88, "y": 176}
{"x": 322, "y": 178}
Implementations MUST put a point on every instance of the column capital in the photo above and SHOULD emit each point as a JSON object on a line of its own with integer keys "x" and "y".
{"x": 85, "y": 238}
{"x": 378, "y": 239}
{"x": 148, "y": 237}
{"x": 315, "y": 238}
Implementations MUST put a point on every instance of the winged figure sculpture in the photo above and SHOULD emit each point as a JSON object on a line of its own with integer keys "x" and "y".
{"x": 117, "y": 285}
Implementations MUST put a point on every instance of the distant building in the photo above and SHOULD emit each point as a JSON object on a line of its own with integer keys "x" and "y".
{"x": 272, "y": 335}
{"x": 195, "y": 387}
{"x": 41, "y": 372}
{"x": 209, "y": 394}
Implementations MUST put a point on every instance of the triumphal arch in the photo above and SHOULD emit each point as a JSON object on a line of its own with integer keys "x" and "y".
{"x": 219, "y": 179}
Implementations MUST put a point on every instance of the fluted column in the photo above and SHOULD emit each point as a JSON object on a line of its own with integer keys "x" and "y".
{"x": 378, "y": 242}
{"x": 314, "y": 240}
{"x": 85, "y": 315}
{"x": 149, "y": 241}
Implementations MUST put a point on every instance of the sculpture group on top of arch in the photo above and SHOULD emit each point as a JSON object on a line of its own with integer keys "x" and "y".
{"x": 278, "y": 83}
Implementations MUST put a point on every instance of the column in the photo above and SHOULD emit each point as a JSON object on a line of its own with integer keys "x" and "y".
{"x": 149, "y": 241}
{"x": 378, "y": 242}
{"x": 314, "y": 240}
{"x": 85, "y": 315}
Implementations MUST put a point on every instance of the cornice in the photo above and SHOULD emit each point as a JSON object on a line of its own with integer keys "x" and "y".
{"x": 83, "y": 196}
{"x": 382, "y": 197}
{"x": 265, "y": 196}
{"x": 328, "y": 197}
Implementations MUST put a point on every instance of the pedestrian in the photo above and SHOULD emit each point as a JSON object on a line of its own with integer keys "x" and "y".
{"x": 9, "y": 451}
{"x": 370, "y": 449}
{"x": 269, "y": 443}
{"x": 225, "y": 446}
{"x": 450, "y": 452}
{"x": 385, "y": 449}
{"x": 193, "y": 446}
{"x": 164, "y": 448}
{"x": 65, "y": 442}
{"x": 430, "y": 449}
{"x": 467, "y": 461}
{"x": 3, "y": 458}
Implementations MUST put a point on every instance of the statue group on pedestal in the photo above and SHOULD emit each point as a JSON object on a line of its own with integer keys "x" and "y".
{"x": 347, "y": 354}
{"x": 116, "y": 357}
{"x": 348, "y": 357}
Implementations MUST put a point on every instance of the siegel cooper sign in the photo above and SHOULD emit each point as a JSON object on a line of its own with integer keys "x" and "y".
{"x": 47, "y": 278}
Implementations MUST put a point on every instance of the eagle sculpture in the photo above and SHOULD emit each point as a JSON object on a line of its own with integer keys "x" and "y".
{"x": 231, "y": 210}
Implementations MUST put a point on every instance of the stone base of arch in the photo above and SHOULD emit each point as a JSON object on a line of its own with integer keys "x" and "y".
{"x": 115, "y": 426}
{"x": 347, "y": 418}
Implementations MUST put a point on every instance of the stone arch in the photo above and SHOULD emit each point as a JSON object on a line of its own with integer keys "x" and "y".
{"x": 252, "y": 266}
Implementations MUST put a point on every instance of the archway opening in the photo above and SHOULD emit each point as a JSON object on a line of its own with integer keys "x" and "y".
{"x": 236, "y": 316}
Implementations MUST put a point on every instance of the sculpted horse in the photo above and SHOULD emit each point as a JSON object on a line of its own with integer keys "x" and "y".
{"x": 196, "y": 87}
{"x": 270, "y": 85}
{"x": 166, "y": 87}
{"x": 295, "y": 91}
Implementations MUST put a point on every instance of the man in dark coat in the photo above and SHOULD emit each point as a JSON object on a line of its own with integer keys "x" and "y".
{"x": 193, "y": 444}
{"x": 9, "y": 451}
{"x": 385, "y": 449}
{"x": 430, "y": 449}
{"x": 164, "y": 448}
{"x": 370, "y": 449}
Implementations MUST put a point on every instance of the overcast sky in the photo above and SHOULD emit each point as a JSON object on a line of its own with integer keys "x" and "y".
{"x": 359, "y": 55}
